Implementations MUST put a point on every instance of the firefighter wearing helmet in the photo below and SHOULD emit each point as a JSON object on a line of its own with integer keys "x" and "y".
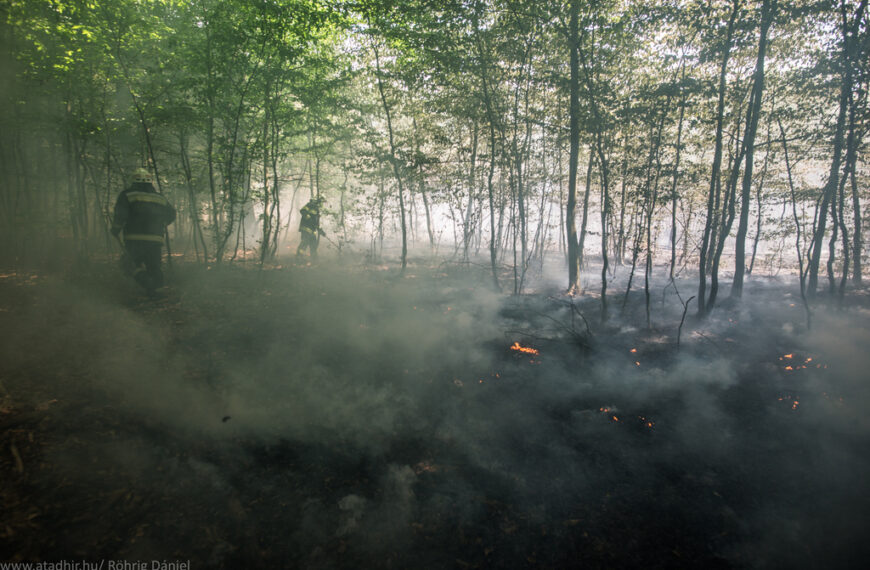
{"x": 141, "y": 217}
{"x": 309, "y": 227}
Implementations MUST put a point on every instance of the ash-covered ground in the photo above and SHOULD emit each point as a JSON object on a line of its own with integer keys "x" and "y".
{"x": 344, "y": 417}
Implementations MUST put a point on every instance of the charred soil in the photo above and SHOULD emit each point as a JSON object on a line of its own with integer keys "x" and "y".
{"x": 320, "y": 417}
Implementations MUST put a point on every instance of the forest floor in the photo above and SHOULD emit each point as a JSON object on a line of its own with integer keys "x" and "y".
{"x": 317, "y": 416}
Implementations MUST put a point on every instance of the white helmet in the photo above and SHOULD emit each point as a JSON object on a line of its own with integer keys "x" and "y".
{"x": 142, "y": 175}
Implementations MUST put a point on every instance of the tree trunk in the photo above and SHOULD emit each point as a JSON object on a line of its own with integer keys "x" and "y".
{"x": 393, "y": 159}
{"x": 468, "y": 222}
{"x": 574, "y": 150}
{"x": 857, "y": 239}
{"x": 583, "y": 220}
{"x": 768, "y": 9}
{"x": 709, "y": 225}
{"x": 797, "y": 225}
{"x": 194, "y": 208}
{"x": 674, "y": 194}
{"x": 490, "y": 115}
{"x": 830, "y": 188}
{"x": 652, "y": 199}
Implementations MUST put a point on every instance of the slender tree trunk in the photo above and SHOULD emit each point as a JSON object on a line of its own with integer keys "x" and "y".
{"x": 393, "y": 159}
{"x": 635, "y": 253}
{"x": 674, "y": 194}
{"x": 797, "y": 224}
{"x": 832, "y": 245}
{"x": 583, "y": 221}
{"x": 574, "y": 149}
{"x": 563, "y": 232}
{"x": 830, "y": 188}
{"x": 852, "y": 145}
{"x": 605, "y": 210}
{"x": 759, "y": 190}
{"x": 844, "y": 231}
{"x": 491, "y": 118}
{"x": 603, "y": 165}
{"x": 267, "y": 226}
{"x": 621, "y": 237}
{"x": 709, "y": 225}
{"x": 768, "y": 9}
{"x": 421, "y": 188}
{"x": 468, "y": 223}
{"x": 194, "y": 208}
{"x": 729, "y": 212}
{"x": 857, "y": 239}
{"x": 652, "y": 196}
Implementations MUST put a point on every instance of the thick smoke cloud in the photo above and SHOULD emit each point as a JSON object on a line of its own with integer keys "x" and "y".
{"x": 333, "y": 417}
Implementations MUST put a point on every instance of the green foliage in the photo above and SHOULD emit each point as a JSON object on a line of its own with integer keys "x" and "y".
{"x": 215, "y": 93}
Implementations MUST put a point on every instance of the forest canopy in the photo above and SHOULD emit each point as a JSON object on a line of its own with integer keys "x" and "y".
{"x": 703, "y": 135}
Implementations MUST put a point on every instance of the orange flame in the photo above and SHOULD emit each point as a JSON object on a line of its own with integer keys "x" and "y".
{"x": 516, "y": 346}
{"x": 647, "y": 422}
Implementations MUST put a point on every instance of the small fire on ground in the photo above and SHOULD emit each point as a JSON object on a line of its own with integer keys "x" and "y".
{"x": 789, "y": 399}
{"x": 792, "y": 363}
{"x": 611, "y": 413}
{"x": 524, "y": 349}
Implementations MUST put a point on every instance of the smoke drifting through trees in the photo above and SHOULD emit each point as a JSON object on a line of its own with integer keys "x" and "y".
{"x": 445, "y": 124}
{"x": 328, "y": 417}
{"x": 270, "y": 414}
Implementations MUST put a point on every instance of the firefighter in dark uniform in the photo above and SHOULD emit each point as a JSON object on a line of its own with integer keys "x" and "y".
{"x": 142, "y": 214}
{"x": 309, "y": 227}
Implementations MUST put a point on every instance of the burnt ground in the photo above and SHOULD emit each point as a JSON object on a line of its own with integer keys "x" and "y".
{"x": 313, "y": 417}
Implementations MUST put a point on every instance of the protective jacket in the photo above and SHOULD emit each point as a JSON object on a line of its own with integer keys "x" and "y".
{"x": 142, "y": 214}
{"x": 310, "y": 218}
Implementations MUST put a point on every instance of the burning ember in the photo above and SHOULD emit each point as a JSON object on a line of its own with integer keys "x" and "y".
{"x": 495, "y": 375}
{"x": 610, "y": 412}
{"x": 789, "y": 399}
{"x": 524, "y": 349}
{"x": 792, "y": 363}
{"x": 519, "y": 349}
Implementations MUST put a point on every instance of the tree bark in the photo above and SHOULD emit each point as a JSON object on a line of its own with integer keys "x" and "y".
{"x": 768, "y": 9}
{"x": 574, "y": 149}
{"x": 393, "y": 159}
{"x": 717, "y": 163}
{"x": 830, "y": 188}
{"x": 490, "y": 115}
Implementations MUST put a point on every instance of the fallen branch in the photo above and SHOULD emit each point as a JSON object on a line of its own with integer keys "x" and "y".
{"x": 575, "y": 312}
